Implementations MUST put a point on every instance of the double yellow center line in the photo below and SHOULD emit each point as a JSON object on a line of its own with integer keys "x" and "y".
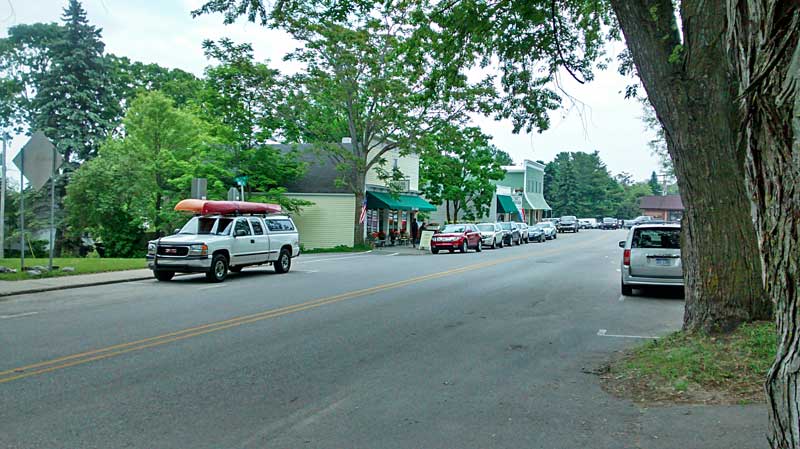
{"x": 116, "y": 350}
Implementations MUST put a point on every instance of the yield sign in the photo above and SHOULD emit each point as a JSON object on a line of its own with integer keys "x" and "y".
{"x": 38, "y": 155}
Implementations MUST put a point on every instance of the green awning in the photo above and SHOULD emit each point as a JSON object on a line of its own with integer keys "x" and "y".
{"x": 383, "y": 200}
{"x": 505, "y": 205}
{"x": 537, "y": 202}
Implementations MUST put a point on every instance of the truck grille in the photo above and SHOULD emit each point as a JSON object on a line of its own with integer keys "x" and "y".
{"x": 174, "y": 251}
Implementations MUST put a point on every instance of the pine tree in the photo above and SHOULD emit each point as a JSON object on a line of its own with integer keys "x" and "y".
{"x": 654, "y": 185}
{"x": 76, "y": 107}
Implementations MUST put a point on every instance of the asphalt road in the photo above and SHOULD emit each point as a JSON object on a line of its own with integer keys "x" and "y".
{"x": 491, "y": 349}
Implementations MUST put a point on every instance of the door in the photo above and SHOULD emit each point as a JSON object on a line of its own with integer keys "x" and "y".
{"x": 262, "y": 241}
{"x": 244, "y": 243}
{"x": 656, "y": 252}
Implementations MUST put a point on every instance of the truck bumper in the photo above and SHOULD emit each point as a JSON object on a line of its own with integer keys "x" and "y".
{"x": 198, "y": 264}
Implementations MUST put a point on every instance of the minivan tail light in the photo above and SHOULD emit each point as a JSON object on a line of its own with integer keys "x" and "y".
{"x": 626, "y": 258}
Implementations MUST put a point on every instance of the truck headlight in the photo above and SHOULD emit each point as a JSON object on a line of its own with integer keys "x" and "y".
{"x": 198, "y": 250}
{"x": 151, "y": 249}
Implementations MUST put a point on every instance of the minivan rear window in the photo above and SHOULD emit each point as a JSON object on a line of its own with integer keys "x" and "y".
{"x": 657, "y": 238}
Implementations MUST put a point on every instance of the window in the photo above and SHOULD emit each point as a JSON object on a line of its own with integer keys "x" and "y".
{"x": 279, "y": 225}
{"x": 396, "y": 163}
{"x": 242, "y": 228}
{"x": 257, "y": 228}
{"x": 657, "y": 238}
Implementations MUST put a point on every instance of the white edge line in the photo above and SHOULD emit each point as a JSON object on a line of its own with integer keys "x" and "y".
{"x": 17, "y": 315}
{"x": 301, "y": 260}
{"x": 211, "y": 286}
{"x": 603, "y": 333}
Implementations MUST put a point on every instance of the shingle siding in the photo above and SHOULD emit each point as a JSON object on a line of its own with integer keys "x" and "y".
{"x": 328, "y": 223}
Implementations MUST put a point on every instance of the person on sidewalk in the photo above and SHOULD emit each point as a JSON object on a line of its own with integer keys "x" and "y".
{"x": 414, "y": 231}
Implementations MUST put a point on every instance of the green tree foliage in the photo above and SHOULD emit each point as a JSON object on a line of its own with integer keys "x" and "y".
{"x": 579, "y": 183}
{"x": 457, "y": 168}
{"x": 367, "y": 77}
{"x": 162, "y": 148}
{"x": 241, "y": 97}
{"x": 655, "y": 186}
{"x": 75, "y": 104}
{"x": 130, "y": 78}
{"x": 25, "y": 59}
{"x": 629, "y": 207}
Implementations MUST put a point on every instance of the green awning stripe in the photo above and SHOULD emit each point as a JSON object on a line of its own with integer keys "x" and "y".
{"x": 383, "y": 200}
{"x": 505, "y": 205}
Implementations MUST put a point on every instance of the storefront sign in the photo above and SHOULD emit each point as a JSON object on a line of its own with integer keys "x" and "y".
{"x": 425, "y": 240}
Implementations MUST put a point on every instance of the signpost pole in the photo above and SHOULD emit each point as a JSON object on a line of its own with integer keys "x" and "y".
{"x": 52, "y": 211}
{"x": 3, "y": 201}
{"x": 22, "y": 214}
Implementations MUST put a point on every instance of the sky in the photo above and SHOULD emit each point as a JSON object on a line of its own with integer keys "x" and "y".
{"x": 163, "y": 32}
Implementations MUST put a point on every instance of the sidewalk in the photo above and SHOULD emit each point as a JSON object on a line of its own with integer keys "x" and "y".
{"x": 400, "y": 251}
{"x": 9, "y": 288}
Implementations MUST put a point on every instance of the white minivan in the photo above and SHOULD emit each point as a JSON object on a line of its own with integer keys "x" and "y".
{"x": 651, "y": 257}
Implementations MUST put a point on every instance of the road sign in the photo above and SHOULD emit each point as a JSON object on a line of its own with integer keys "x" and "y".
{"x": 199, "y": 188}
{"x": 241, "y": 180}
{"x": 37, "y": 158}
{"x": 233, "y": 194}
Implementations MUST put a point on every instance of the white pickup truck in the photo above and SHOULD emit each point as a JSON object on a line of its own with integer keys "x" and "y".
{"x": 218, "y": 243}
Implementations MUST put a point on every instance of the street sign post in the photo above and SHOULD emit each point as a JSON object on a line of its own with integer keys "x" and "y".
{"x": 3, "y": 199}
{"x": 241, "y": 181}
{"x": 38, "y": 161}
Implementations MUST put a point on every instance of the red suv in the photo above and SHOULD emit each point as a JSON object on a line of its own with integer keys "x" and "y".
{"x": 457, "y": 236}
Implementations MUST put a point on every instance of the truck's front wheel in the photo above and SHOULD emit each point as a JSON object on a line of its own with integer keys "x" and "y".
{"x": 284, "y": 262}
{"x": 219, "y": 268}
{"x": 164, "y": 275}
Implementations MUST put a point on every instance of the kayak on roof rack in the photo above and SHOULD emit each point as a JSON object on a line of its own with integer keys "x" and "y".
{"x": 207, "y": 207}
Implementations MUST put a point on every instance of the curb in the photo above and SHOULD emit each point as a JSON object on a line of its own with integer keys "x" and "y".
{"x": 68, "y": 287}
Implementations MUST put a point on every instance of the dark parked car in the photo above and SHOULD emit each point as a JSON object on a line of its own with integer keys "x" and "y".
{"x": 460, "y": 237}
{"x": 512, "y": 233}
{"x": 523, "y": 232}
{"x": 609, "y": 223}
{"x": 535, "y": 234}
{"x": 568, "y": 223}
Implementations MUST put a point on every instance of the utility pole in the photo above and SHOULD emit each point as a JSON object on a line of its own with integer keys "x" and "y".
{"x": 664, "y": 177}
{"x": 3, "y": 199}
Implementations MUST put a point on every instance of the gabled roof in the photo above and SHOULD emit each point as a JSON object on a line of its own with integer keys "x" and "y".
{"x": 658, "y": 202}
{"x": 321, "y": 173}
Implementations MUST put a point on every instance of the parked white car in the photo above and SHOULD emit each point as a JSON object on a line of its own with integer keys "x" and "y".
{"x": 215, "y": 244}
{"x": 491, "y": 234}
{"x": 550, "y": 232}
{"x": 651, "y": 257}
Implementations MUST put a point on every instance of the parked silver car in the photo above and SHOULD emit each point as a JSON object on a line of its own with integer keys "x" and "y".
{"x": 549, "y": 229}
{"x": 492, "y": 234}
{"x": 523, "y": 232}
{"x": 651, "y": 257}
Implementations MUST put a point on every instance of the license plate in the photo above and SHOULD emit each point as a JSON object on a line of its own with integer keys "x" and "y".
{"x": 663, "y": 262}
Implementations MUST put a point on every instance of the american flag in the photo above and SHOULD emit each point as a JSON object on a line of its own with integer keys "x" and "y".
{"x": 363, "y": 211}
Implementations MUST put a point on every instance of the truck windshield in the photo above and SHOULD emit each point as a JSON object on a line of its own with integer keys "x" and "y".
{"x": 206, "y": 226}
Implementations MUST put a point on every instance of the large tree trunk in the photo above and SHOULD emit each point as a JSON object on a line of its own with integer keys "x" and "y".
{"x": 359, "y": 184}
{"x": 765, "y": 52}
{"x": 692, "y": 93}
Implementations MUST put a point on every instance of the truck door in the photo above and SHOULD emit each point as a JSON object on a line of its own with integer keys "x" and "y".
{"x": 244, "y": 243}
{"x": 262, "y": 241}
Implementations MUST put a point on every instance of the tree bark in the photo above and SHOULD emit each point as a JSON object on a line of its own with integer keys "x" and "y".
{"x": 360, "y": 195}
{"x": 764, "y": 42}
{"x": 693, "y": 96}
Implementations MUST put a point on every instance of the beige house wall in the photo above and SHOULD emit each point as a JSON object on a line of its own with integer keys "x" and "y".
{"x": 328, "y": 223}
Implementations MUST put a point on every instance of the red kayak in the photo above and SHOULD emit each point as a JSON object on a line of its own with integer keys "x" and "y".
{"x": 206, "y": 207}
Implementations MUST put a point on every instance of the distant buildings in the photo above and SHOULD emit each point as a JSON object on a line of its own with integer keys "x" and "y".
{"x": 666, "y": 207}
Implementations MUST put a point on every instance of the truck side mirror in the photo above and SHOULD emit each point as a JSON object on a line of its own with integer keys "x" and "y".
{"x": 622, "y": 244}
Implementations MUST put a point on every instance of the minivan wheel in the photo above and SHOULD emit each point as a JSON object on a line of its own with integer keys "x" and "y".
{"x": 626, "y": 290}
{"x": 219, "y": 268}
{"x": 164, "y": 276}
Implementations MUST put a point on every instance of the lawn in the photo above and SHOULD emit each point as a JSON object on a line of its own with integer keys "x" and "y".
{"x": 81, "y": 265}
{"x": 337, "y": 249}
{"x": 697, "y": 368}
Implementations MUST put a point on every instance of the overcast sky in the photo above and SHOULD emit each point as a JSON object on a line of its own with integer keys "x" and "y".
{"x": 163, "y": 32}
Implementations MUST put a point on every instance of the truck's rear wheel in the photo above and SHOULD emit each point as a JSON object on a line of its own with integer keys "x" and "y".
{"x": 284, "y": 262}
{"x": 164, "y": 276}
{"x": 219, "y": 268}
